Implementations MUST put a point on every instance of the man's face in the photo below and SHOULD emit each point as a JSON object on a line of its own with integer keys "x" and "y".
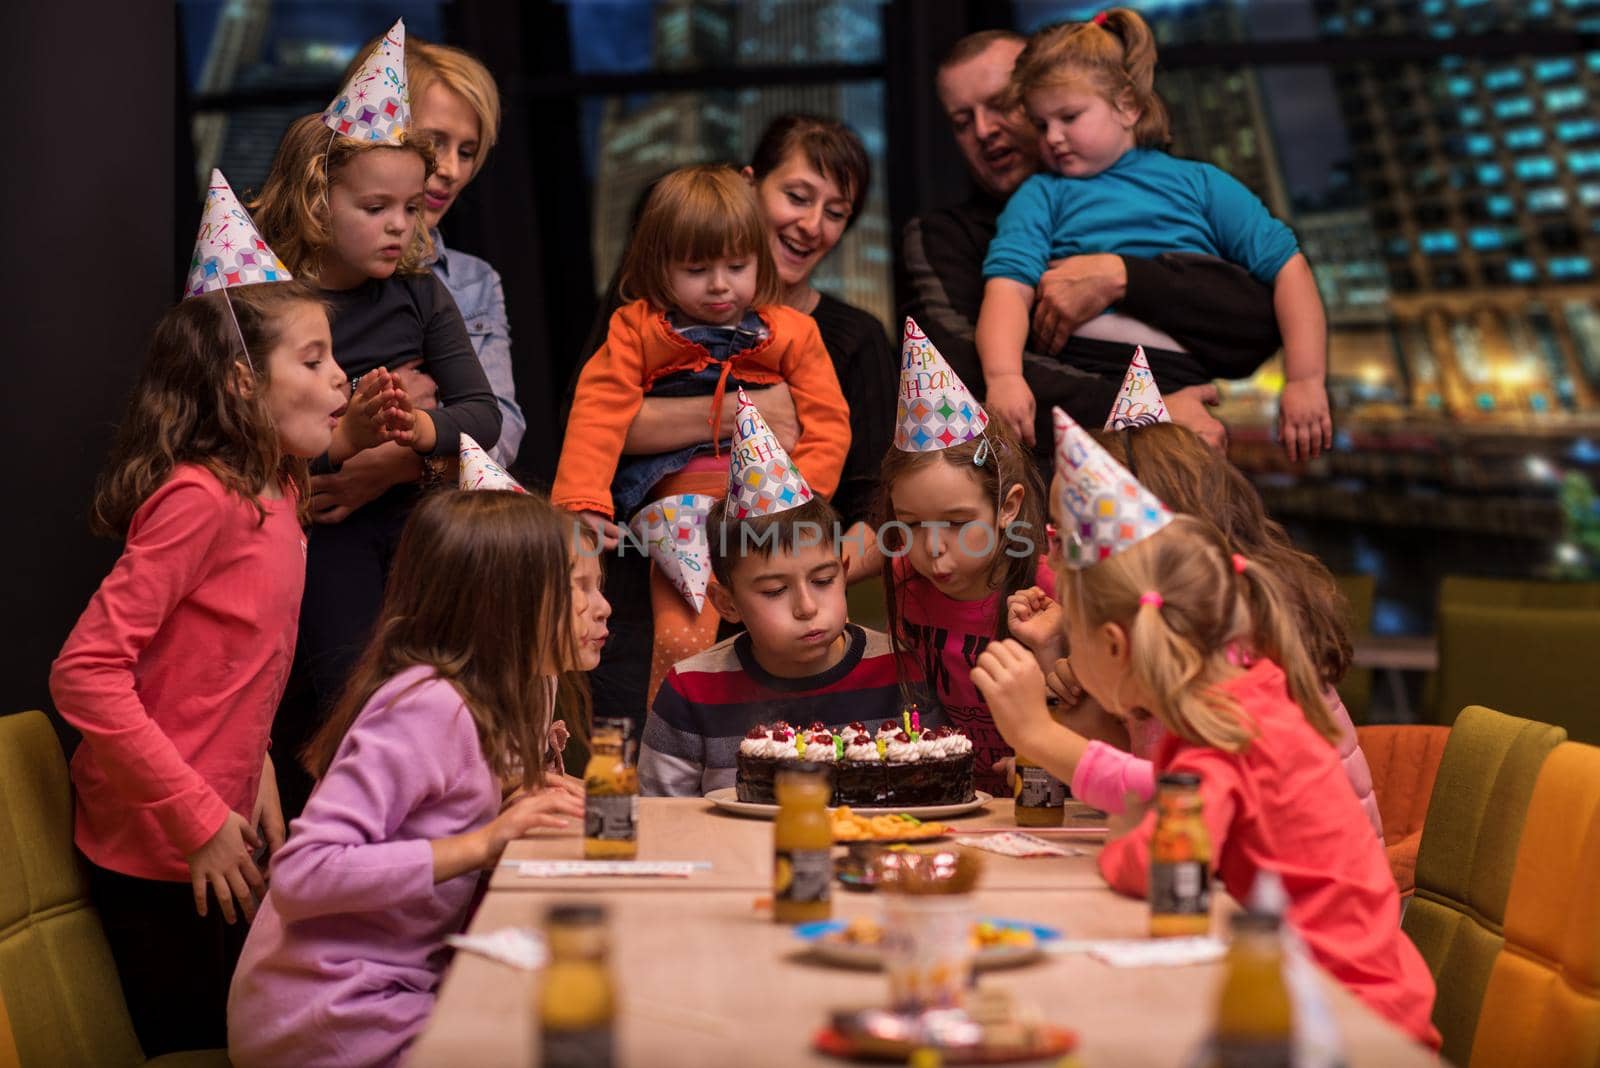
{"x": 1000, "y": 146}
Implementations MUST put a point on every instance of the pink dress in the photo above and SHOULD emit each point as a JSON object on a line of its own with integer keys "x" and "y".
{"x": 946, "y": 637}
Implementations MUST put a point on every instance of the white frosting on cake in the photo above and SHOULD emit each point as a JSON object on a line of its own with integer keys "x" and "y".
{"x": 864, "y": 750}
{"x": 822, "y": 752}
{"x": 899, "y": 752}
{"x": 888, "y": 732}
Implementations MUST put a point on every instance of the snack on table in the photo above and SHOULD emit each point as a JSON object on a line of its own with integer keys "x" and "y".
{"x": 901, "y": 765}
{"x": 850, "y": 827}
{"x": 865, "y": 931}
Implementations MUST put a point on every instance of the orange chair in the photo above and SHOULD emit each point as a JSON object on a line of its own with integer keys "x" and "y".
{"x": 1404, "y": 762}
{"x": 1541, "y": 1008}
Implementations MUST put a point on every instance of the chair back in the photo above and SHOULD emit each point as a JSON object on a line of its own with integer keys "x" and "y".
{"x": 1542, "y": 1004}
{"x": 1464, "y": 863}
{"x": 57, "y": 978}
{"x": 1404, "y": 762}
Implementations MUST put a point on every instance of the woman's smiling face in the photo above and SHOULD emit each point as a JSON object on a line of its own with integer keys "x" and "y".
{"x": 805, "y": 212}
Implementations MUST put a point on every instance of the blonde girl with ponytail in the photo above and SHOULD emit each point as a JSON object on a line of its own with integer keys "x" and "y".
{"x": 1153, "y": 606}
{"x": 1089, "y": 90}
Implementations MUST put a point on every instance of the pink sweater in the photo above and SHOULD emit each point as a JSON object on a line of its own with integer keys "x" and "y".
{"x": 342, "y": 961}
{"x": 1106, "y": 774}
{"x": 1279, "y": 806}
{"x": 174, "y": 671}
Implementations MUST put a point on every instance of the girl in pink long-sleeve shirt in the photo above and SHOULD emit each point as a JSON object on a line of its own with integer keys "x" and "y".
{"x": 492, "y": 597}
{"x": 1189, "y": 476}
{"x": 1155, "y": 626}
{"x": 174, "y": 669}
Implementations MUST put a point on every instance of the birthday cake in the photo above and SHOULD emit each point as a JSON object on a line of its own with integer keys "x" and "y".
{"x": 898, "y": 766}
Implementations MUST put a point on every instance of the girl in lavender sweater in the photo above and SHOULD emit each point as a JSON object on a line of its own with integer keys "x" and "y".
{"x": 489, "y": 605}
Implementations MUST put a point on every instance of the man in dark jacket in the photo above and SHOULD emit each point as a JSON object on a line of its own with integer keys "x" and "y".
{"x": 1204, "y": 305}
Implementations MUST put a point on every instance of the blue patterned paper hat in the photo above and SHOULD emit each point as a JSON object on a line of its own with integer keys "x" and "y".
{"x": 935, "y": 410}
{"x": 761, "y": 477}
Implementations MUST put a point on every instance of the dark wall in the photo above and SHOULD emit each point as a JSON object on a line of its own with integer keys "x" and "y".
{"x": 89, "y": 223}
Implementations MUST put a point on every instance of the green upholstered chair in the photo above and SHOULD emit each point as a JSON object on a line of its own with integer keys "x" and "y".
{"x": 1465, "y": 860}
{"x": 864, "y": 604}
{"x": 1533, "y": 662}
{"x": 1355, "y": 689}
{"x": 57, "y": 979}
{"x": 1541, "y": 1008}
{"x": 1518, "y": 593}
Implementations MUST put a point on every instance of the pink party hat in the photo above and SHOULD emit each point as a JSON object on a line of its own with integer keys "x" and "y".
{"x": 229, "y": 250}
{"x": 673, "y": 531}
{"x": 761, "y": 478}
{"x": 374, "y": 104}
{"x": 1138, "y": 402}
{"x": 1105, "y": 508}
{"x": 479, "y": 472}
{"x": 935, "y": 410}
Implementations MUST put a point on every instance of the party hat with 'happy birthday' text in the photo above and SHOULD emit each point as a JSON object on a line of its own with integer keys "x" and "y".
{"x": 1138, "y": 402}
{"x": 935, "y": 410}
{"x": 761, "y": 477}
{"x": 375, "y": 104}
{"x": 229, "y": 250}
{"x": 1104, "y": 508}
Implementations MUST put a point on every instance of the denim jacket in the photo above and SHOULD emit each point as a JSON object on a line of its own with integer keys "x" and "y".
{"x": 477, "y": 292}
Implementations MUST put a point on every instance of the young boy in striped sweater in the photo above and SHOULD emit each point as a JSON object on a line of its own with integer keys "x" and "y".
{"x": 779, "y": 573}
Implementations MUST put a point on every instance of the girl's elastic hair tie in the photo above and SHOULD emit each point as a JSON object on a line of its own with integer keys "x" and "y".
{"x": 1152, "y": 597}
{"x": 1239, "y": 563}
{"x": 1099, "y": 19}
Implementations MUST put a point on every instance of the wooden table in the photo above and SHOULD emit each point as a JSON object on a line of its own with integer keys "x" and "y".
{"x": 740, "y": 851}
{"x": 706, "y": 979}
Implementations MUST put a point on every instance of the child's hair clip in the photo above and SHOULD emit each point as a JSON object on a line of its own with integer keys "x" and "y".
{"x": 1239, "y": 563}
{"x": 1099, "y": 18}
{"x": 981, "y": 457}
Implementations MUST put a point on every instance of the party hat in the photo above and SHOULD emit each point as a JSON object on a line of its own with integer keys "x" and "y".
{"x": 374, "y": 104}
{"x": 761, "y": 478}
{"x": 229, "y": 250}
{"x": 1104, "y": 507}
{"x": 479, "y": 472}
{"x": 935, "y": 411}
{"x": 673, "y": 531}
{"x": 1138, "y": 402}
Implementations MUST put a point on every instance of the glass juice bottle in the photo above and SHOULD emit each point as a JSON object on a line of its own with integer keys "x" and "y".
{"x": 611, "y": 796}
{"x": 1180, "y": 860}
{"x": 802, "y": 846}
{"x": 577, "y": 1003}
{"x": 1255, "y": 1016}
{"x": 1041, "y": 798}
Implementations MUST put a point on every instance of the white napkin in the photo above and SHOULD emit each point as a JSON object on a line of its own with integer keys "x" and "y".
{"x": 567, "y": 869}
{"x": 1017, "y": 844}
{"x": 1147, "y": 952}
{"x": 516, "y": 946}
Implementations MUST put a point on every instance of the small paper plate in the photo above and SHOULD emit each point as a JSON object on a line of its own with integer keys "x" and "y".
{"x": 1050, "y": 1042}
{"x": 727, "y": 799}
{"x": 817, "y": 938}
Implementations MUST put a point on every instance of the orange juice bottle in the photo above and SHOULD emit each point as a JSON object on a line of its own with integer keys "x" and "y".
{"x": 802, "y": 846}
{"x": 576, "y": 1004}
{"x": 1180, "y": 860}
{"x": 610, "y": 796}
{"x": 1041, "y": 798}
{"x": 1255, "y": 1016}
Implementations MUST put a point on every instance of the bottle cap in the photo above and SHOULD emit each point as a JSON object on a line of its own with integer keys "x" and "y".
{"x": 575, "y": 914}
{"x": 1179, "y": 778}
{"x": 1250, "y": 920}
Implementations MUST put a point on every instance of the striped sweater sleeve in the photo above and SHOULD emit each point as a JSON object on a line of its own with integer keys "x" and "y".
{"x": 672, "y": 754}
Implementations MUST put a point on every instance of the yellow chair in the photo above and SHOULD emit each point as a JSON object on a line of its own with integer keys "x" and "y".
{"x": 1355, "y": 689}
{"x": 1464, "y": 863}
{"x": 57, "y": 978}
{"x": 1542, "y": 1005}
